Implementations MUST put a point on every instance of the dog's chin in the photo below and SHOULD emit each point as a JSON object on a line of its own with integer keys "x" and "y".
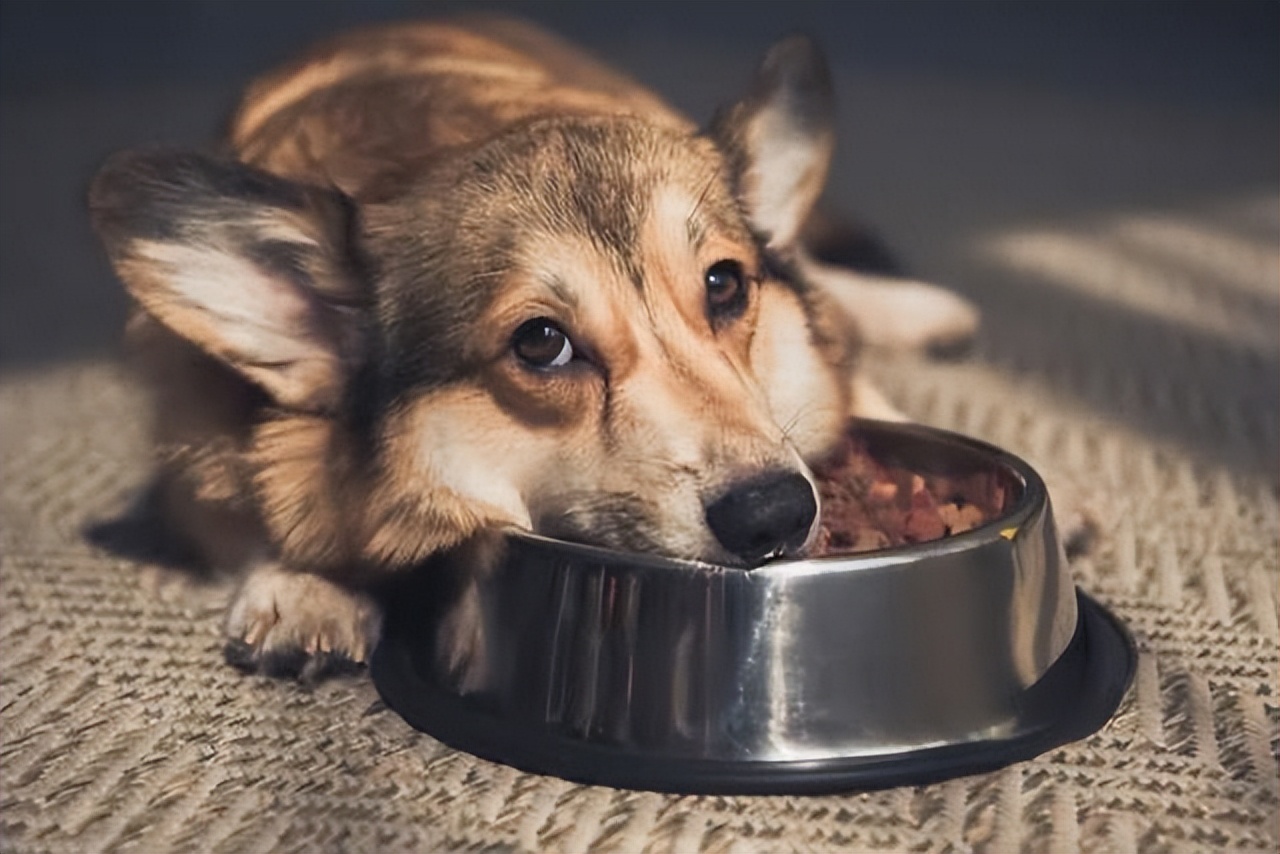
{"x": 637, "y": 536}
{"x": 627, "y": 536}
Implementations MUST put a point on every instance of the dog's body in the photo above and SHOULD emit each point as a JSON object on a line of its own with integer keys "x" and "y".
{"x": 458, "y": 277}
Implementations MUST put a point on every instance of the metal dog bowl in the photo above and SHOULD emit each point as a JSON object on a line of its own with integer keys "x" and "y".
{"x": 894, "y": 667}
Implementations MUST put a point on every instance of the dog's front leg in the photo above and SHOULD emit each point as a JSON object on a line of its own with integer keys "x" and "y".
{"x": 283, "y": 622}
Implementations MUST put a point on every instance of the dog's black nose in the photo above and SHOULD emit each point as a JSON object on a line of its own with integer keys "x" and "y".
{"x": 758, "y": 517}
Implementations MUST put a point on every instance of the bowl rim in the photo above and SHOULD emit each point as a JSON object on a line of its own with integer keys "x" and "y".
{"x": 1034, "y": 496}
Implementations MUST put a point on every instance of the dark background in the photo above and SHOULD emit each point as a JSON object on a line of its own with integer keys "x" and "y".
{"x": 957, "y": 119}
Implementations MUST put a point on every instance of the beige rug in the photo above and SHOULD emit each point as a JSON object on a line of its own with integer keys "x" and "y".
{"x": 1135, "y": 359}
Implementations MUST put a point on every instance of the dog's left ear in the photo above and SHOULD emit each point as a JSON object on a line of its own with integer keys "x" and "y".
{"x": 779, "y": 138}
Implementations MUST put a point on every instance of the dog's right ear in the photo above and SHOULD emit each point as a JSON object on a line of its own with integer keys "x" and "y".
{"x": 257, "y": 271}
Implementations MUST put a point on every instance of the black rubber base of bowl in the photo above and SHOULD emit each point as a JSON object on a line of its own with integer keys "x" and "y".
{"x": 1074, "y": 699}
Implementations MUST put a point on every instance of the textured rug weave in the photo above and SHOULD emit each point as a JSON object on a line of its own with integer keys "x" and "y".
{"x": 1136, "y": 365}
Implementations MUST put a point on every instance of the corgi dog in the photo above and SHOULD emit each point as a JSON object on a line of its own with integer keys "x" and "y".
{"x": 447, "y": 279}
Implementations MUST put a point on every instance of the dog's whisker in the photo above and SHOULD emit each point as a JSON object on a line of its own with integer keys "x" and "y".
{"x": 804, "y": 412}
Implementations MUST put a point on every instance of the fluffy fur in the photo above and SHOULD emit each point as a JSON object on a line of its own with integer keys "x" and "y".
{"x": 449, "y": 278}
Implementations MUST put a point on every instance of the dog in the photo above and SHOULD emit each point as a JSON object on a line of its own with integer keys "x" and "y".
{"x": 452, "y": 278}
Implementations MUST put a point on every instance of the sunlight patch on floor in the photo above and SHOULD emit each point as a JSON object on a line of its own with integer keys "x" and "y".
{"x": 1217, "y": 281}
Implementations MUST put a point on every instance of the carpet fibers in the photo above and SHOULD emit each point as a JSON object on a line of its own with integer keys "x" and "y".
{"x": 1135, "y": 364}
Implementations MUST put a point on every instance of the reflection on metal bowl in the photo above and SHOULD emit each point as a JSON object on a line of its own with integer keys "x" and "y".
{"x": 896, "y": 666}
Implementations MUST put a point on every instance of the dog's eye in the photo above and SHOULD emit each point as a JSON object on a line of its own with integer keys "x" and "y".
{"x": 542, "y": 344}
{"x": 726, "y": 290}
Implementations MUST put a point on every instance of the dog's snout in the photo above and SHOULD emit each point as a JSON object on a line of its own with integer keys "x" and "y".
{"x": 758, "y": 517}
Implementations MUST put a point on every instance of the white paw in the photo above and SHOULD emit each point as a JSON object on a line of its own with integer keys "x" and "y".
{"x": 897, "y": 313}
{"x": 913, "y": 315}
{"x": 294, "y": 624}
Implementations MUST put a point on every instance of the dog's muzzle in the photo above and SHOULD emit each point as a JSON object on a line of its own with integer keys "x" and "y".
{"x": 763, "y": 516}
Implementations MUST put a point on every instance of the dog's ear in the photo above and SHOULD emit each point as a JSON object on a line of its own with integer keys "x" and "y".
{"x": 778, "y": 139}
{"x": 257, "y": 271}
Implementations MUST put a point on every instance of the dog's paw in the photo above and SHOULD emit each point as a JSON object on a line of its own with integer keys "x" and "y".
{"x": 909, "y": 315}
{"x": 925, "y": 317}
{"x": 899, "y": 314}
{"x": 298, "y": 625}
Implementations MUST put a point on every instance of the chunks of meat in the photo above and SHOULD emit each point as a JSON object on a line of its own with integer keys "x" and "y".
{"x": 870, "y": 504}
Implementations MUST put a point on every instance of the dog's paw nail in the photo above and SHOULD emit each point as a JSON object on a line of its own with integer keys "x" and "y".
{"x": 294, "y": 625}
{"x": 240, "y": 655}
{"x": 284, "y": 663}
{"x": 326, "y": 665}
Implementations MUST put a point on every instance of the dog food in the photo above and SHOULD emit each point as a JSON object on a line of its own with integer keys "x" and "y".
{"x": 871, "y": 504}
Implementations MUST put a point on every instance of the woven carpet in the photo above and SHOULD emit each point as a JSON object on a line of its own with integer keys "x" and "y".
{"x": 1149, "y": 395}
{"x": 1114, "y": 214}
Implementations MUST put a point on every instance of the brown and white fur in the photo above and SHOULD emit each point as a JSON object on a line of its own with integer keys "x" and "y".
{"x": 450, "y": 278}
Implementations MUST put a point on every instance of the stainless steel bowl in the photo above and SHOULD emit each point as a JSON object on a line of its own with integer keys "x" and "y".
{"x": 901, "y": 665}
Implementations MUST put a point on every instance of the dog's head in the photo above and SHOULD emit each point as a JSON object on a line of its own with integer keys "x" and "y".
{"x": 584, "y": 326}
